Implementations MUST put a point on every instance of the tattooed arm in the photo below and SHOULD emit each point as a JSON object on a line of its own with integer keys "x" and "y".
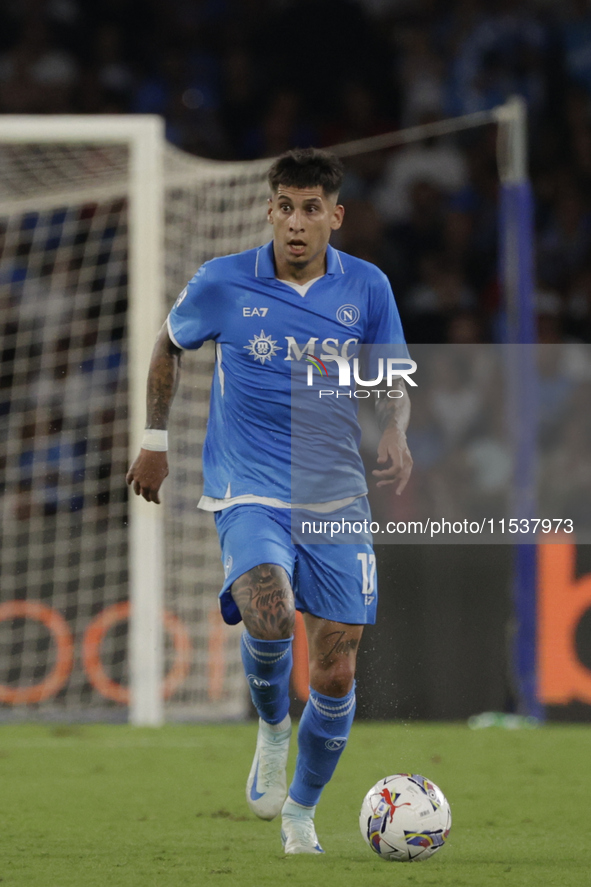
{"x": 393, "y": 414}
{"x": 150, "y": 468}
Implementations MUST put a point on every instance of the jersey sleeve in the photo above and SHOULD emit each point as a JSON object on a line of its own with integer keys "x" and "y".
{"x": 195, "y": 315}
{"x": 384, "y": 335}
{"x": 384, "y": 326}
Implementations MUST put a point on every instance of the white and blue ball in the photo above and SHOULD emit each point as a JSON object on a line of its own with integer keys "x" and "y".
{"x": 405, "y": 818}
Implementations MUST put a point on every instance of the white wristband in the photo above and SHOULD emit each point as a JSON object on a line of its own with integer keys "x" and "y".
{"x": 155, "y": 439}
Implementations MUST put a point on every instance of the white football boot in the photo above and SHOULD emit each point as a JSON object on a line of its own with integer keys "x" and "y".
{"x": 298, "y": 834}
{"x": 266, "y": 787}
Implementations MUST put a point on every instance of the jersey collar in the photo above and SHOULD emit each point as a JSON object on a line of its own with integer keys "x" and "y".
{"x": 265, "y": 265}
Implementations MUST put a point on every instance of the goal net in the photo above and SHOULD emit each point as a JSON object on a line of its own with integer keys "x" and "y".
{"x": 86, "y": 609}
{"x": 65, "y": 238}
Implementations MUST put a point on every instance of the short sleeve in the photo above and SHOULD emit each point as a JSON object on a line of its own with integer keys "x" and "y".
{"x": 195, "y": 315}
{"x": 384, "y": 337}
{"x": 384, "y": 326}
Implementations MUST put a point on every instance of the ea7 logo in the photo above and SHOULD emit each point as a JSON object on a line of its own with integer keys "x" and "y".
{"x": 254, "y": 312}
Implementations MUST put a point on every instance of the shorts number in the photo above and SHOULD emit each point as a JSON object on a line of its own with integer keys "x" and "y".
{"x": 368, "y": 576}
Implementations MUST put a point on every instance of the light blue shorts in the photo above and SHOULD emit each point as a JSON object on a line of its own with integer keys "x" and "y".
{"x": 331, "y": 581}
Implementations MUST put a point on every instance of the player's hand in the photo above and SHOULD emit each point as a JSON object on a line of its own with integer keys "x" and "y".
{"x": 393, "y": 448}
{"x": 147, "y": 473}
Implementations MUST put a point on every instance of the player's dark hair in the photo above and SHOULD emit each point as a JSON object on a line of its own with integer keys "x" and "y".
{"x": 307, "y": 168}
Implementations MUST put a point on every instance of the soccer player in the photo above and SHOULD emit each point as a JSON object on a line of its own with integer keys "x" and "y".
{"x": 266, "y": 308}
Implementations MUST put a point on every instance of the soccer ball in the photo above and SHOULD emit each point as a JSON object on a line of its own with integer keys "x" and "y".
{"x": 405, "y": 818}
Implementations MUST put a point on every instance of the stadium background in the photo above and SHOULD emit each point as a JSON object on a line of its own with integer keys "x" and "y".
{"x": 232, "y": 86}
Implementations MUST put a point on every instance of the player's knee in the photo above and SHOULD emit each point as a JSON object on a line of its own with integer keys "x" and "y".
{"x": 265, "y": 599}
{"x": 270, "y": 626}
{"x": 271, "y": 620}
{"x": 336, "y": 680}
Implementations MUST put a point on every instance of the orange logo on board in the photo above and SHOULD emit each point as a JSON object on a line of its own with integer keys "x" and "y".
{"x": 562, "y": 601}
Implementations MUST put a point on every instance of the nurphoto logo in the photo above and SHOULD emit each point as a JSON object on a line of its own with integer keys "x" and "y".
{"x": 388, "y": 370}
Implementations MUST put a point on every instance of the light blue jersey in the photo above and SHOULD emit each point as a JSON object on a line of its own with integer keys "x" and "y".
{"x": 261, "y": 325}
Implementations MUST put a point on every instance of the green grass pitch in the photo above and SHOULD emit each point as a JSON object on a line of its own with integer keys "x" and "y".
{"x": 105, "y": 806}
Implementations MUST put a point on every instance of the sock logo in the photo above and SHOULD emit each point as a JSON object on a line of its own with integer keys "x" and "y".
{"x": 257, "y": 682}
{"x": 336, "y": 744}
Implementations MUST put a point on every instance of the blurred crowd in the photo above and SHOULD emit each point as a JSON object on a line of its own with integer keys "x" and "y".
{"x": 241, "y": 79}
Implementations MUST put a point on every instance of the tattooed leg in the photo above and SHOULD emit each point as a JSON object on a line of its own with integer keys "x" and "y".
{"x": 333, "y": 654}
{"x": 265, "y": 600}
{"x": 328, "y": 716}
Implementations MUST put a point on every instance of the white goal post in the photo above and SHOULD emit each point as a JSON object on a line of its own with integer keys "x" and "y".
{"x": 144, "y": 136}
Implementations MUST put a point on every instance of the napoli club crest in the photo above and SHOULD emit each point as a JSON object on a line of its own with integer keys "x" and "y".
{"x": 348, "y": 314}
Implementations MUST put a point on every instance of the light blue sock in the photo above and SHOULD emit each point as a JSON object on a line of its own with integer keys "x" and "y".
{"x": 267, "y": 666}
{"x": 324, "y": 730}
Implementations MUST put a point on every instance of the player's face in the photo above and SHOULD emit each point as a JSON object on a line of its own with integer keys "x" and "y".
{"x": 302, "y": 220}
